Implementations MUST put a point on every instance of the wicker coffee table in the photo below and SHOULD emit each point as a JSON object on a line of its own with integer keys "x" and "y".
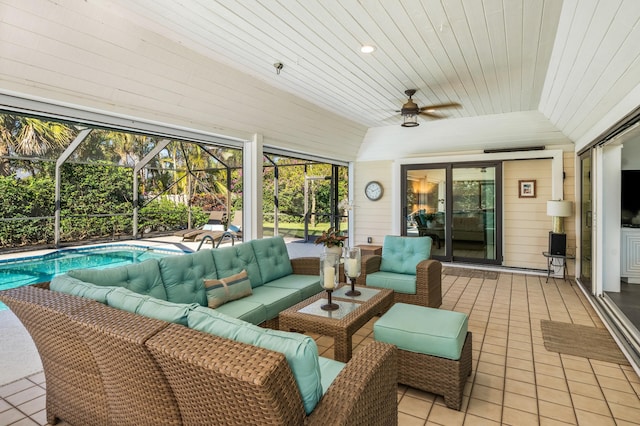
{"x": 341, "y": 324}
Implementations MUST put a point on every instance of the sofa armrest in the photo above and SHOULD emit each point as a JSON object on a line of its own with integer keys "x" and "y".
{"x": 429, "y": 283}
{"x": 310, "y": 266}
{"x": 365, "y": 391}
{"x": 370, "y": 264}
{"x": 306, "y": 265}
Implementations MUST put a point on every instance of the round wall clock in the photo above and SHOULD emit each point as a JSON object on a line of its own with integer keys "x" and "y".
{"x": 373, "y": 190}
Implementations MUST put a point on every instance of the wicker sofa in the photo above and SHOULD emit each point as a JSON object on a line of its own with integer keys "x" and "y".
{"x": 106, "y": 366}
{"x": 277, "y": 282}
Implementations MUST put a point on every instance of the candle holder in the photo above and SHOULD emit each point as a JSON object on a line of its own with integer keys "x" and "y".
{"x": 352, "y": 267}
{"x": 329, "y": 267}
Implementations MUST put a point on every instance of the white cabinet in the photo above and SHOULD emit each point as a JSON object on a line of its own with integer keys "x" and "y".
{"x": 630, "y": 255}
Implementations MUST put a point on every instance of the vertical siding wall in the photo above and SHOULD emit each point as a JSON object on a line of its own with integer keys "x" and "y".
{"x": 373, "y": 218}
{"x": 526, "y": 224}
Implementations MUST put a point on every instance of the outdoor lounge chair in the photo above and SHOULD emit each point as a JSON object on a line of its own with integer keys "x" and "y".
{"x": 213, "y": 224}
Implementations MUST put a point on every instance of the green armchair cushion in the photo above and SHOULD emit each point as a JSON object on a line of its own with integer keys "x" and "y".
{"x": 400, "y": 283}
{"x": 402, "y": 254}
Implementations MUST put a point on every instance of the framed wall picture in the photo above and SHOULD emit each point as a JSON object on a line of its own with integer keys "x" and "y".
{"x": 527, "y": 188}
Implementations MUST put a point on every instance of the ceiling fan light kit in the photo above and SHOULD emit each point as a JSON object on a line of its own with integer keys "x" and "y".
{"x": 410, "y": 110}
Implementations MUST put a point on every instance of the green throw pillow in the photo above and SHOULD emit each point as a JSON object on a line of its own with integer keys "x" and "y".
{"x": 227, "y": 289}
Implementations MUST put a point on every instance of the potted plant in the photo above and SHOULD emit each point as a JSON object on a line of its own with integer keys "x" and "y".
{"x": 332, "y": 241}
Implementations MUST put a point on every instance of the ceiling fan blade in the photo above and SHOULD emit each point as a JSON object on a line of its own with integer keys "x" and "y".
{"x": 432, "y": 115}
{"x": 440, "y": 106}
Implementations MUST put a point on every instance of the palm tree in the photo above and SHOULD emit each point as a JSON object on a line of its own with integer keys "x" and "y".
{"x": 30, "y": 137}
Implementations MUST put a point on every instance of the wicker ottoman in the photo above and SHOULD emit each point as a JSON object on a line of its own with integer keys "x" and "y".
{"x": 434, "y": 348}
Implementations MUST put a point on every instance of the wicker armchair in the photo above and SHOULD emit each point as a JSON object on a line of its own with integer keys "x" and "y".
{"x": 428, "y": 281}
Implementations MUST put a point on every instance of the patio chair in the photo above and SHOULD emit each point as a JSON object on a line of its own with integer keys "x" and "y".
{"x": 405, "y": 267}
{"x": 213, "y": 224}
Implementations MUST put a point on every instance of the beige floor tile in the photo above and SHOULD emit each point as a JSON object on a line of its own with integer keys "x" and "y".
{"x": 488, "y": 368}
{"x": 14, "y": 387}
{"x": 445, "y": 416}
{"x": 484, "y": 409}
{"x": 417, "y": 393}
{"x": 520, "y": 402}
{"x": 520, "y": 375}
{"x": 33, "y": 406}
{"x": 551, "y": 382}
{"x": 407, "y": 420}
{"x": 493, "y": 358}
{"x": 594, "y": 405}
{"x": 415, "y": 407}
{"x": 580, "y": 376}
{"x": 608, "y": 370}
{"x": 487, "y": 394}
{"x": 622, "y": 398}
{"x": 40, "y": 417}
{"x": 473, "y": 420}
{"x": 549, "y": 370}
{"x": 617, "y": 384}
{"x": 492, "y": 349}
{"x": 521, "y": 364}
{"x": 519, "y": 353}
{"x": 556, "y": 412}
{"x": 25, "y": 395}
{"x": 515, "y": 417}
{"x": 4, "y": 405}
{"x": 576, "y": 363}
{"x": 521, "y": 388}
{"x": 489, "y": 380}
{"x": 623, "y": 412}
{"x": 561, "y": 397}
{"x": 589, "y": 418}
{"x": 545, "y": 421}
{"x": 10, "y": 416}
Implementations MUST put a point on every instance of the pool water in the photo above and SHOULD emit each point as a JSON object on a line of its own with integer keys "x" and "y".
{"x": 35, "y": 269}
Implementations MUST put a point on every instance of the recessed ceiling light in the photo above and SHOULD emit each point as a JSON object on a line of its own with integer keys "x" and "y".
{"x": 367, "y": 48}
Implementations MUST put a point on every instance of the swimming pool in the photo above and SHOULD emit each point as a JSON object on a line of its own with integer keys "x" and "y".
{"x": 35, "y": 269}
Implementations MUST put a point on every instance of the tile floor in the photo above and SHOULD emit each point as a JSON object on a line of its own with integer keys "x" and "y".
{"x": 515, "y": 380}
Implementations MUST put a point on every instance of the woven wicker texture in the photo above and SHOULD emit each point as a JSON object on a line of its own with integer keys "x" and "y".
{"x": 341, "y": 330}
{"x": 428, "y": 281}
{"x": 441, "y": 376}
{"x": 132, "y": 378}
{"x": 74, "y": 386}
{"x": 365, "y": 391}
{"x": 216, "y": 380}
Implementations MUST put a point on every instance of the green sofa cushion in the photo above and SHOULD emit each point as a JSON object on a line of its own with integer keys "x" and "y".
{"x": 402, "y": 254}
{"x": 273, "y": 258}
{"x": 301, "y": 351}
{"x": 329, "y": 370}
{"x": 423, "y": 330}
{"x": 253, "y": 312}
{"x": 68, "y": 285}
{"x": 183, "y": 276}
{"x": 125, "y": 299}
{"x": 307, "y": 285}
{"x": 143, "y": 278}
{"x": 148, "y": 306}
{"x": 231, "y": 260}
{"x": 401, "y": 283}
{"x": 275, "y": 300}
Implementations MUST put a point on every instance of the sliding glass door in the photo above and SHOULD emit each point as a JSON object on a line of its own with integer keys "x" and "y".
{"x": 458, "y": 206}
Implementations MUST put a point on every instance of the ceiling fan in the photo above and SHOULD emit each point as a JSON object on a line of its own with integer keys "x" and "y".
{"x": 410, "y": 110}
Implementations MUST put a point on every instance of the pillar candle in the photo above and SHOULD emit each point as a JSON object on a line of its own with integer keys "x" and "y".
{"x": 329, "y": 277}
{"x": 352, "y": 267}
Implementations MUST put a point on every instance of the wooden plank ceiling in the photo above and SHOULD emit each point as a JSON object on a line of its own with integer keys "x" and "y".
{"x": 490, "y": 56}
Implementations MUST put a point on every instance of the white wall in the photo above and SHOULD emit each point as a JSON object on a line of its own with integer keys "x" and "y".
{"x": 77, "y": 52}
